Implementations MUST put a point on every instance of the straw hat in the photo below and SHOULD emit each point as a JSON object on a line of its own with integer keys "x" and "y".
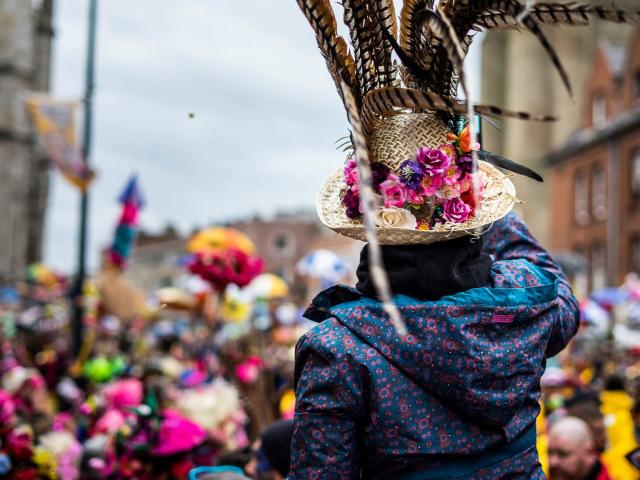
{"x": 394, "y": 141}
{"x": 399, "y": 82}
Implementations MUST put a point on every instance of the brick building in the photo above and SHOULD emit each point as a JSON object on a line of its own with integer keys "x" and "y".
{"x": 517, "y": 74}
{"x": 594, "y": 178}
{"x": 281, "y": 241}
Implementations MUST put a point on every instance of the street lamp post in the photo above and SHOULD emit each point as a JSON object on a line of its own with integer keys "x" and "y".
{"x": 84, "y": 199}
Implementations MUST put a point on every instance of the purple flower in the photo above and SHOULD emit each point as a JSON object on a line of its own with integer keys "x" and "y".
{"x": 465, "y": 163}
{"x": 379, "y": 173}
{"x": 456, "y": 211}
{"x": 435, "y": 162}
{"x": 351, "y": 201}
{"x": 411, "y": 173}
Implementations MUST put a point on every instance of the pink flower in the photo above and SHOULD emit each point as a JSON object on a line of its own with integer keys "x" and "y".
{"x": 449, "y": 149}
{"x": 394, "y": 193}
{"x": 436, "y": 162}
{"x": 452, "y": 175}
{"x": 448, "y": 192}
{"x": 467, "y": 184}
{"x": 456, "y": 211}
{"x": 351, "y": 173}
{"x": 416, "y": 197}
{"x": 431, "y": 185}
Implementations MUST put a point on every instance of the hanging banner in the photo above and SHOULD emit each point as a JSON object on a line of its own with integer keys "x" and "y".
{"x": 55, "y": 124}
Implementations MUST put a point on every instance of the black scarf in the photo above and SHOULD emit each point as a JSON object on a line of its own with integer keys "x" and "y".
{"x": 429, "y": 272}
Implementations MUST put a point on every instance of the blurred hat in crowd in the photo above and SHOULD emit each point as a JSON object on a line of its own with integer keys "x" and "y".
{"x": 177, "y": 434}
{"x": 16, "y": 377}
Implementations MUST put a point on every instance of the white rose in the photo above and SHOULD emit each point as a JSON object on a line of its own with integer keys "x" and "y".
{"x": 395, "y": 217}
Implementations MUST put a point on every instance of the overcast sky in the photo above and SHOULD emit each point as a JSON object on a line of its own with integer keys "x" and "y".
{"x": 266, "y": 114}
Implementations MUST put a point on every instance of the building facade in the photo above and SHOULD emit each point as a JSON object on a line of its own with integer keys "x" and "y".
{"x": 594, "y": 178}
{"x": 281, "y": 241}
{"x": 25, "y": 51}
{"x": 517, "y": 74}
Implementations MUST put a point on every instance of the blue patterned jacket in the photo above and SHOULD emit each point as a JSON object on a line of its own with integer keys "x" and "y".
{"x": 373, "y": 405}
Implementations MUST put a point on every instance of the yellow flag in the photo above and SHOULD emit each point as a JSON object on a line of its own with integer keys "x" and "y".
{"x": 55, "y": 124}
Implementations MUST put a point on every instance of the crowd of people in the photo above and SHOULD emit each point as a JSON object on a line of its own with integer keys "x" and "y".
{"x": 149, "y": 397}
{"x": 177, "y": 392}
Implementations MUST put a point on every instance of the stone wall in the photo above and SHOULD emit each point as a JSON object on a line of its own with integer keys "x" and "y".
{"x": 25, "y": 50}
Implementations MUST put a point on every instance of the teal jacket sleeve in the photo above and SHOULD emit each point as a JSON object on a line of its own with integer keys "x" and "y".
{"x": 510, "y": 239}
{"x": 329, "y": 396}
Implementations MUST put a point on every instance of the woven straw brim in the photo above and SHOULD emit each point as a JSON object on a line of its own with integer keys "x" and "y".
{"x": 498, "y": 199}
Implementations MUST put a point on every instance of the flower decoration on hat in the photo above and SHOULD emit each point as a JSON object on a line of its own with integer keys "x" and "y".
{"x": 436, "y": 186}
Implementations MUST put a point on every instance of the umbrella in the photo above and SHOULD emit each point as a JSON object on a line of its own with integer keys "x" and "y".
{"x": 217, "y": 239}
{"x": 268, "y": 286}
{"x": 593, "y": 314}
{"x": 323, "y": 264}
{"x": 610, "y": 297}
{"x": 9, "y": 296}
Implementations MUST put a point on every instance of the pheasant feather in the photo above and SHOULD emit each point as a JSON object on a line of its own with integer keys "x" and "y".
{"x": 393, "y": 100}
{"x": 376, "y": 266}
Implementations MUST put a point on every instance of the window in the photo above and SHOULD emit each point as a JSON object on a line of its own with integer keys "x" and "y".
{"x": 283, "y": 244}
{"x": 581, "y": 275}
{"x": 598, "y": 267}
{"x": 635, "y": 255}
{"x": 599, "y": 111}
{"x": 634, "y": 175}
{"x": 581, "y": 199}
{"x": 599, "y": 194}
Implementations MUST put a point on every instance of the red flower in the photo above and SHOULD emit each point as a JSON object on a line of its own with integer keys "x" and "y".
{"x": 470, "y": 199}
{"x": 226, "y": 267}
{"x": 27, "y": 473}
{"x": 19, "y": 445}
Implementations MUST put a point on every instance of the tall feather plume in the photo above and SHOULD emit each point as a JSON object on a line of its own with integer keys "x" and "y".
{"x": 415, "y": 43}
{"x": 574, "y": 14}
{"x": 384, "y": 18}
{"x": 551, "y": 52}
{"x": 376, "y": 266}
{"x": 340, "y": 64}
{"x": 448, "y": 60}
{"x": 393, "y": 100}
{"x": 466, "y": 13}
{"x": 357, "y": 17}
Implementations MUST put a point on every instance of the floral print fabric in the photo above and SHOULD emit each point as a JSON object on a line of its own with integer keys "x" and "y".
{"x": 373, "y": 405}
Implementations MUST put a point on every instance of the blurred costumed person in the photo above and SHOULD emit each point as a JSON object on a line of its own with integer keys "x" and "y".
{"x": 442, "y": 380}
{"x": 272, "y": 452}
{"x": 616, "y": 407}
{"x": 120, "y": 298}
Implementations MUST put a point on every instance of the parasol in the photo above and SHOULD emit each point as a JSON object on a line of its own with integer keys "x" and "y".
{"x": 267, "y": 286}
{"x": 610, "y": 297}
{"x": 217, "y": 239}
{"x": 324, "y": 265}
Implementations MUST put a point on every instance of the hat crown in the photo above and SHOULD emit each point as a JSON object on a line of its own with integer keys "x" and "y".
{"x": 397, "y": 138}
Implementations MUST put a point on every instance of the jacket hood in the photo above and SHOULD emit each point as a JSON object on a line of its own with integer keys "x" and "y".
{"x": 478, "y": 351}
